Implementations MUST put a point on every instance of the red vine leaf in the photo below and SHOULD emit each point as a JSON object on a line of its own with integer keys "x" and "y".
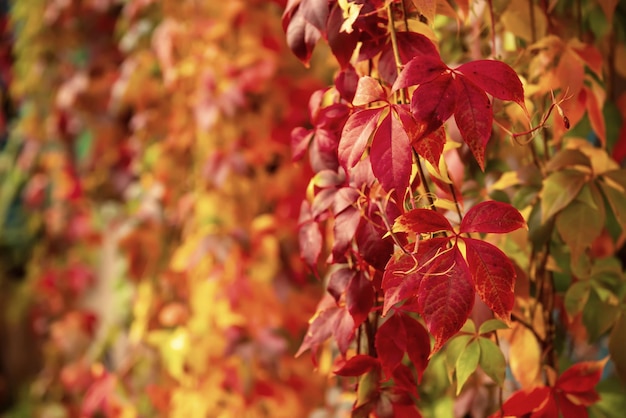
{"x": 391, "y": 155}
{"x": 358, "y": 365}
{"x": 422, "y": 221}
{"x": 368, "y": 90}
{"x": 301, "y": 35}
{"x": 401, "y": 280}
{"x": 359, "y": 298}
{"x": 492, "y": 216}
{"x": 420, "y": 69}
{"x": 496, "y": 78}
{"x": 430, "y": 147}
{"x": 342, "y": 43}
{"x": 355, "y": 136}
{"x": 473, "y": 116}
{"x": 309, "y": 236}
{"x": 434, "y": 102}
{"x": 446, "y": 295}
{"x": 410, "y": 45}
{"x": 493, "y": 275}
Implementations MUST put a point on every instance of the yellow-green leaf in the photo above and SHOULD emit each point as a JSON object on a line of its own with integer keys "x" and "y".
{"x": 492, "y": 360}
{"x": 466, "y": 364}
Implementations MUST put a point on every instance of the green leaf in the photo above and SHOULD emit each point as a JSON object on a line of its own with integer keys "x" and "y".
{"x": 492, "y": 360}
{"x": 576, "y": 297}
{"x": 469, "y": 327}
{"x": 612, "y": 403}
{"x": 491, "y": 325}
{"x": 598, "y": 317}
{"x": 579, "y": 235}
{"x": 466, "y": 364}
{"x": 559, "y": 190}
{"x": 453, "y": 350}
{"x": 617, "y": 201}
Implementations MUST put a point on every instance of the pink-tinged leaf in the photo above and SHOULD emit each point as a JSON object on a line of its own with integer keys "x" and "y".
{"x": 344, "y": 198}
{"x": 473, "y": 116}
{"x": 332, "y": 320}
{"x": 332, "y": 117}
{"x": 338, "y": 282}
{"x": 581, "y": 377}
{"x": 410, "y": 45}
{"x": 433, "y": 103}
{"x": 300, "y": 140}
{"x": 301, "y": 36}
{"x": 346, "y": 83}
{"x": 355, "y": 136}
{"x": 368, "y": 90}
{"x": 422, "y": 221}
{"x": 401, "y": 280}
{"x": 420, "y": 69}
{"x": 430, "y": 147}
{"x": 358, "y": 365}
{"x": 322, "y": 201}
{"x": 522, "y": 402}
{"x": 492, "y": 217}
{"x": 359, "y": 298}
{"x": 494, "y": 276}
{"x": 344, "y": 229}
{"x": 391, "y": 155}
{"x": 323, "y": 151}
{"x": 309, "y": 236}
{"x": 496, "y": 78}
{"x": 342, "y": 44}
{"x": 315, "y": 12}
{"x": 446, "y": 295}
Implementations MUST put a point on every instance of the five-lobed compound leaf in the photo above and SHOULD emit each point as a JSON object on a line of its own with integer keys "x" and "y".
{"x": 496, "y": 78}
{"x": 493, "y": 275}
{"x": 473, "y": 116}
{"x": 422, "y": 221}
{"x": 391, "y": 155}
{"x": 446, "y": 295}
{"x": 492, "y": 217}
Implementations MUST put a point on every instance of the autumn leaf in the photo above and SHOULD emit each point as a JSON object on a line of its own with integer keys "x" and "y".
{"x": 433, "y": 103}
{"x": 492, "y": 217}
{"x": 422, "y": 221}
{"x": 368, "y": 90}
{"x": 355, "y": 136}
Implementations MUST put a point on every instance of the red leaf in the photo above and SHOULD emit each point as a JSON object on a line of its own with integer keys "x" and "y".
{"x": 417, "y": 343}
{"x": 473, "y": 116}
{"x": 391, "y": 343}
{"x": 493, "y": 275}
{"x": 338, "y": 282}
{"x": 400, "y": 280}
{"x": 344, "y": 198}
{"x": 492, "y": 216}
{"x": 433, "y": 103}
{"x": 309, "y": 236}
{"x": 404, "y": 382}
{"x": 359, "y": 298}
{"x": 300, "y": 140}
{"x": 332, "y": 320}
{"x": 422, "y": 221}
{"x": 581, "y": 377}
{"x": 368, "y": 90}
{"x": 496, "y": 78}
{"x": 341, "y": 43}
{"x": 522, "y": 402}
{"x": 369, "y": 238}
{"x": 301, "y": 35}
{"x": 410, "y": 45}
{"x": 356, "y": 133}
{"x": 391, "y": 155}
{"x": 358, "y": 365}
{"x": 346, "y": 83}
{"x": 569, "y": 409}
{"x": 344, "y": 229}
{"x": 446, "y": 295}
{"x": 420, "y": 69}
{"x": 322, "y": 201}
{"x": 430, "y": 147}
{"x": 315, "y": 12}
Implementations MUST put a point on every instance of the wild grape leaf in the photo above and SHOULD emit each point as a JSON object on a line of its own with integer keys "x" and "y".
{"x": 422, "y": 221}
{"x": 368, "y": 90}
{"x": 355, "y": 136}
{"x": 446, "y": 295}
{"x": 430, "y": 147}
{"x": 492, "y": 217}
{"x": 434, "y": 102}
{"x": 300, "y": 34}
{"x": 402, "y": 334}
{"x": 420, "y": 69}
{"x": 559, "y": 190}
{"x": 496, "y": 78}
{"x": 359, "y": 298}
{"x": 493, "y": 275}
{"x": 391, "y": 155}
{"x": 358, "y": 365}
{"x": 410, "y": 45}
{"x": 473, "y": 116}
